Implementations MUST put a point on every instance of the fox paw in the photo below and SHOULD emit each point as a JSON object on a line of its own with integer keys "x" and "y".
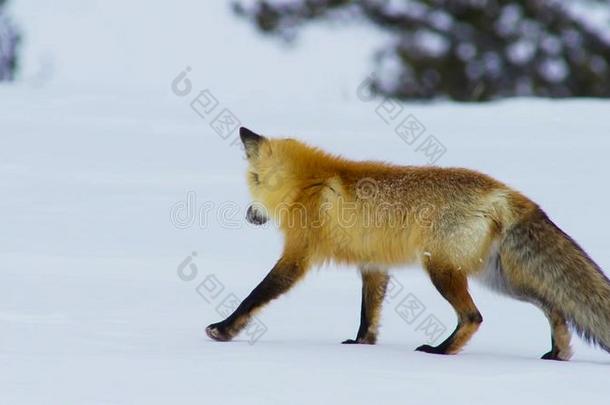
{"x": 430, "y": 349}
{"x": 554, "y": 355}
{"x": 358, "y": 342}
{"x": 364, "y": 340}
{"x": 218, "y": 332}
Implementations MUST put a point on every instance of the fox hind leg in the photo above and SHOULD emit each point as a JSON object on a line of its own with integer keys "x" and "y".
{"x": 453, "y": 286}
{"x": 560, "y": 337}
{"x": 374, "y": 285}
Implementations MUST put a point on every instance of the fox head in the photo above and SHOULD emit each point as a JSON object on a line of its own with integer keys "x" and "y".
{"x": 283, "y": 175}
{"x": 268, "y": 175}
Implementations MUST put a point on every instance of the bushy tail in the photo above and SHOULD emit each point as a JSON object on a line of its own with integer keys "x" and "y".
{"x": 541, "y": 263}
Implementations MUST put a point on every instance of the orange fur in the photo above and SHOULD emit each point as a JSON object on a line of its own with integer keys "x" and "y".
{"x": 409, "y": 213}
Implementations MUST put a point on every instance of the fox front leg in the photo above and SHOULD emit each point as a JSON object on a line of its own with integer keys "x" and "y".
{"x": 280, "y": 279}
{"x": 374, "y": 285}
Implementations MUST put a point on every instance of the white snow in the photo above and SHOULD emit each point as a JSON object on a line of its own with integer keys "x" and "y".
{"x": 102, "y": 296}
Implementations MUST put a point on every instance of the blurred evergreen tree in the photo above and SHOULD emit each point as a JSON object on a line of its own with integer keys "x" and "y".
{"x": 9, "y": 43}
{"x": 468, "y": 50}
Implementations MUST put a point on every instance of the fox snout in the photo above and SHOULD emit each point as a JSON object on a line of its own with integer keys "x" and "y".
{"x": 256, "y": 215}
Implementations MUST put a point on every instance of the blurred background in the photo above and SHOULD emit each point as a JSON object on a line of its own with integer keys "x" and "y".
{"x": 466, "y": 50}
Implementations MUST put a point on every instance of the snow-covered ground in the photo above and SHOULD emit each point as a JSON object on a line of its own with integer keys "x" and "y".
{"x": 110, "y": 182}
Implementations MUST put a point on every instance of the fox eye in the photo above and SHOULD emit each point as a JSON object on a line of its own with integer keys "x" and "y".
{"x": 254, "y": 177}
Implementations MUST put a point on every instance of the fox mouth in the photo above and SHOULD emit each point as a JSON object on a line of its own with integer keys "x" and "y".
{"x": 255, "y": 216}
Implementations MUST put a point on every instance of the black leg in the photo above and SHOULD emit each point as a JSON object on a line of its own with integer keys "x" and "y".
{"x": 279, "y": 280}
{"x": 374, "y": 285}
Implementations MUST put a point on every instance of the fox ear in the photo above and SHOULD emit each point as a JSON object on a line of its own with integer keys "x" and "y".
{"x": 251, "y": 141}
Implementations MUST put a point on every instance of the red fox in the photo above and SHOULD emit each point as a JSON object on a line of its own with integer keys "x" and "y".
{"x": 456, "y": 223}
